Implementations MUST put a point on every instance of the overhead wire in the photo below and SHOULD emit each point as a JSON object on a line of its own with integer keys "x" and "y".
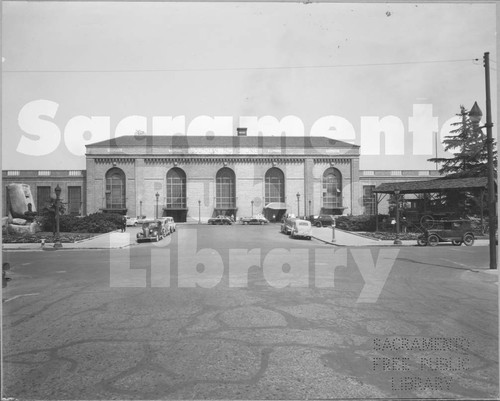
{"x": 246, "y": 68}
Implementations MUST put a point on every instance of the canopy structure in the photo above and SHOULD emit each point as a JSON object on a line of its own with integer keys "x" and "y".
{"x": 275, "y": 211}
{"x": 276, "y": 206}
{"x": 427, "y": 188}
{"x": 431, "y": 186}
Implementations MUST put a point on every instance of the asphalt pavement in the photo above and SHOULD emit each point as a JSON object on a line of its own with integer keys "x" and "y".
{"x": 117, "y": 240}
{"x": 210, "y": 316}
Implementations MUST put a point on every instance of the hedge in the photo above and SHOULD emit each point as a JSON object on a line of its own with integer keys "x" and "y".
{"x": 358, "y": 223}
{"x": 93, "y": 223}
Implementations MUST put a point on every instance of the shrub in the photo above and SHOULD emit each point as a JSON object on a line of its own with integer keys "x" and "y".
{"x": 93, "y": 223}
{"x": 358, "y": 223}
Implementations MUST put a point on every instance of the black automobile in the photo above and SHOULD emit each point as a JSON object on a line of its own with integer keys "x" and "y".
{"x": 323, "y": 220}
{"x": 457, "y": 232}
{"x": 220, "y": 220}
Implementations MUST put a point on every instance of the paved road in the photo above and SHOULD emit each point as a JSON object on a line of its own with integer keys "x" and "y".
{"x": 244, "y": 312}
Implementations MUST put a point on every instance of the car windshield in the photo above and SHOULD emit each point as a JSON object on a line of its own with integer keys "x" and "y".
{"x": 303, "y": 224}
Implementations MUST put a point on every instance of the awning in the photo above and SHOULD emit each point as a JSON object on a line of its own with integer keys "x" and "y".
{"x": 429, "y": 186}
{"x": 276, "y": 206}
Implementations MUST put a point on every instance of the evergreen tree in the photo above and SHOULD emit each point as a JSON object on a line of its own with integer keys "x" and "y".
{"x": 468, "y": 145}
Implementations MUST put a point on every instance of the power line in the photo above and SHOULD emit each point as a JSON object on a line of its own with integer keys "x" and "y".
{"x": 245, "y": 68}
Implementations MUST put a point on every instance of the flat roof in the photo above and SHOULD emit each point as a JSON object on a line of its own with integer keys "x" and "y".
{"x": 428, "y": 186}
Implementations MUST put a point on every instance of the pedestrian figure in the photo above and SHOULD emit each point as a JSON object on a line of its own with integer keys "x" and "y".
{"x": 124, "y": 224}
{"x": 404, "y": 224}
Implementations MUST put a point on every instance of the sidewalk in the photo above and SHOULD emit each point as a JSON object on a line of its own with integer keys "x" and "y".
{"x": 344, "y": 238}
{"x": 112, "y": 240}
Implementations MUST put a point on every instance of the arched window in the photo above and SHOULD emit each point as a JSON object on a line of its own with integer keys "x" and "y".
{"x": 275, "y": 186}
{"x": 332, "y": 188}
{"x": 225, "y": 191}
{"x": 176, "y": 188}
{"x": 115, "y": 189}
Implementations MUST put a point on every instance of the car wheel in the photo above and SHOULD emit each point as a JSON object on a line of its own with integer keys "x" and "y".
{"x": 468, "y": 239}
{"x": 135, "y": 224}
{"x": 309, "y": 238}
{"x": 318, "y": 224}
{"x": 433, "y": 240}
{"x": 421, "y": 241}
{"x": 456, "y": 242}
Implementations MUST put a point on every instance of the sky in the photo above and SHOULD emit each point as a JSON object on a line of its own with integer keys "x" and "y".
{"x": 77, "y": 72}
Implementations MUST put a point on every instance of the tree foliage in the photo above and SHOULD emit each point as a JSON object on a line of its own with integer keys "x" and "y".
{"x": 468, "y": 145}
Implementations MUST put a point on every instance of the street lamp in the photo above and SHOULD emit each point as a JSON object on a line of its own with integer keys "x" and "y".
{"x": 199, "y": 212}
{"x": 475, "y": 115}
{"x": 310, "y": 207}
{"x": 57, "y": 242}
{"x": 252, "y": 206}
{"x": 157, "y": 196}
{"x": 140, "y": 209}
{"x": 298, "y": 204}
{"x": 397, "y": 241}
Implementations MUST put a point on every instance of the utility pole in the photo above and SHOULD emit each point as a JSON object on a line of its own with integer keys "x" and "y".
{"x": 491, "y": 173}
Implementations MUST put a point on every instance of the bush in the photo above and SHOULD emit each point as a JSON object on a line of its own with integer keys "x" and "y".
{"x": 93, "y": 223}
{"x": 358, "y": 223}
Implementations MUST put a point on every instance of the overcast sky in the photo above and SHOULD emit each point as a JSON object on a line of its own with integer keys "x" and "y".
{"x": 352, "y": 61}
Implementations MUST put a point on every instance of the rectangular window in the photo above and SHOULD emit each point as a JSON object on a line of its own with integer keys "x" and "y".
{"x": 369, "y": 199}
{"x": 42, "y": 197}
{"x": 274, "y": 190}
{"x": 176, "y": 193}
{"x": 74, "y": 200}
{"x": 225, "y": 193}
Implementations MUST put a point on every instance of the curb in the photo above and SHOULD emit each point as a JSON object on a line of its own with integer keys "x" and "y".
{"x": 97, "y": 236}
{"x": 366, "y": 245}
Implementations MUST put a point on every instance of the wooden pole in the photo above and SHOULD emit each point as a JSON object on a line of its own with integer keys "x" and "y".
{"x": 491, "y": 176}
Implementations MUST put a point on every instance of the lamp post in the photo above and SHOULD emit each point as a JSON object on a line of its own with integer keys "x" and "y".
{"x": 475, "y": 115}
{"x": 252, "y": 206}
{"x": 298, "y": 204}
{"x": 57, "y": 242}
{"x": 157, "y": 196}
{"x": 309, "y": 207}
{"x": 397, "y": 241}
{"x": 199, "y": 212}
{"x": 140, "y": 209}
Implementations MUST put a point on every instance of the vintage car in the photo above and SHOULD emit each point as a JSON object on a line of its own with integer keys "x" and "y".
{"x": 153, "y": 230}
{"x": 220, "y": 220}
{"x": 258, "y": 219}
{"x": 169, "y": 221}
{"x": 287, "y": 224}
{"x": 323, "y": 220}
{"x": 457, "y": 232}
{"x": 301, "y": 228}
{"x": 131, "y": 221}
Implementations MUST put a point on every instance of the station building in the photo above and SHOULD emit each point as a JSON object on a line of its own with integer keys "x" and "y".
{"x": 193, "y": 178}
{"x": 196, "y": 177}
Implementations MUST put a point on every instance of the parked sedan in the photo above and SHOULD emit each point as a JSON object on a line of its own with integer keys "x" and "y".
{"x": 220, "y": 220}
{"x": 131, "y": 221}
{"x": 153, "y": 230}
{"x": 254, "y": 220}
{"x": 301, "y": 228}
{"x": 323, "y": 220}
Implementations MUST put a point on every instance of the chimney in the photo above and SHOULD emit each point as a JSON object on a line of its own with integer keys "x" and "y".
{"x": 241, "y": 131}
